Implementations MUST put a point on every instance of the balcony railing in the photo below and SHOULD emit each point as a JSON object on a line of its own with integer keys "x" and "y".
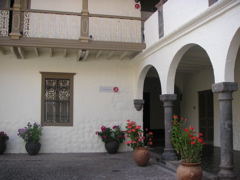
{"x": 65, "y": 25}
{"x": 4, "y": 22}
{"x": 113, "y": 29}
{"x": 43, "y": 25}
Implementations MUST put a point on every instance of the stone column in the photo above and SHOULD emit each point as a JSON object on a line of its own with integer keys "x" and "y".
{"x": 169, "y": 153}
{"x": 225, "y": 90}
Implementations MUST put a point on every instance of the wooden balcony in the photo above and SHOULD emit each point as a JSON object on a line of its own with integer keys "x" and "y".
{"x": 83, "y": 35}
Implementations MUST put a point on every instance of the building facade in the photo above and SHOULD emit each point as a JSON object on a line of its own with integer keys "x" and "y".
{"x": 77, "y": 65}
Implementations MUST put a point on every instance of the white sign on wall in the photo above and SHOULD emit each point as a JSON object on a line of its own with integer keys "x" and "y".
{"x": 108, "y": 89}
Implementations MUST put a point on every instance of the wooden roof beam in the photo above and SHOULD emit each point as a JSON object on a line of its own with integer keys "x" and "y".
{"x": 110, "y": 54}
{"x": 15, "y": 52}
{"x": 123, "y": 55}
{"x": 2, "y": 51}
{"x": 21, "y": 53}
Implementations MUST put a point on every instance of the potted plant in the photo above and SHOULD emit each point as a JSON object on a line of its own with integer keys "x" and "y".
{"x": 3, "y": 138}
{"x": 188, "y": 144}
{"x": 112, "y": 137}
{"x": 31, "y": 135}
{"x": 139, "y": 142}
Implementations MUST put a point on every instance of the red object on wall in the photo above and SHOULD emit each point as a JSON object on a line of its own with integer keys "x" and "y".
{"x": 137, "y": 6}
{"x": 115, "y": 89}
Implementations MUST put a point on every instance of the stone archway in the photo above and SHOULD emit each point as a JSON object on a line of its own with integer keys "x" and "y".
{"x": 153, "y": 114}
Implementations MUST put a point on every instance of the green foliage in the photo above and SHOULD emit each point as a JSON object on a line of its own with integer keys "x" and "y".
{"x": 186, "y": 141}
{"x": 31, "y": 133}
{"x": 110, "y": 134}
{"x": 136, "y": 135}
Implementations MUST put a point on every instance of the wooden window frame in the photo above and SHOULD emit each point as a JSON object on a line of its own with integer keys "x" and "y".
{"x": 57, "y": 75}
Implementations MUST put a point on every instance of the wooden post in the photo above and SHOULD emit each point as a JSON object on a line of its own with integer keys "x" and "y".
{"x": 16, "y": 20}
{"x": 85, "y": 22}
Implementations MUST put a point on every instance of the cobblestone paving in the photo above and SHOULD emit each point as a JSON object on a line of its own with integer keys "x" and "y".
{"x": 81, "y": 166}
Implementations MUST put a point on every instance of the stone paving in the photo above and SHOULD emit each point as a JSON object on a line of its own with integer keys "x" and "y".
{"x": 81, "y": 166}
{"x": 101, "y": 166}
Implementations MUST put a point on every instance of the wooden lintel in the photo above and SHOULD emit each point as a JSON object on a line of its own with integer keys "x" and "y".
{"x": 110, "y": 55}
{"x": 72, "y": 44}
{"x": 21, "y": 53}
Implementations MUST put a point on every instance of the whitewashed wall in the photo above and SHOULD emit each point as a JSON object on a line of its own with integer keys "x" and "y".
{"x": 21, "y": 94}
{"x": 114, "y": 7}
{"x": 57, "y": 5}
{"x": 106, "y": 7}
{"x": 176, "y": 13}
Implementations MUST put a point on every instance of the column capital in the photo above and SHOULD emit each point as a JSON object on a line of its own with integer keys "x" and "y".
{"x": 224, "y": 87}
{"x": 138, "y": 104}
{"x": 168, "y": 97}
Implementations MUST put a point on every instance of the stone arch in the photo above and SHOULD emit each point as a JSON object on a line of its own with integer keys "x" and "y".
{"x": 173, "y": 67}
{"x": 231, "y": 57}
{"x": 141, "y": 79}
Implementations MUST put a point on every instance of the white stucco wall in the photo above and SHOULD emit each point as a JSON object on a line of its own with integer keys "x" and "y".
{"x": 21, "y": 101}
{"x": 176, "y": 13}
{"x": 106, "y": 7}
{"x": 114, "y": 7}
{"x": 57, "y": 5}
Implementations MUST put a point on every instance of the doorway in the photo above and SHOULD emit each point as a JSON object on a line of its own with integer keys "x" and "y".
{"x": 206, "y": 115}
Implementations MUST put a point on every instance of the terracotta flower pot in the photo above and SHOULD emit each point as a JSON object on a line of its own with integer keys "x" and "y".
{"x": 189, "y": 171}
{"x": 141, "y": 156}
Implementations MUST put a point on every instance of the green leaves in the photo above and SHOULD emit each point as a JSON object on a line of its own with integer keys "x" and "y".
{"x": 186, "y": 141}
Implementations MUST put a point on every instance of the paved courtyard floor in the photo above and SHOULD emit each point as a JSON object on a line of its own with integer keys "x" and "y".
{"x": 81, "y": 166}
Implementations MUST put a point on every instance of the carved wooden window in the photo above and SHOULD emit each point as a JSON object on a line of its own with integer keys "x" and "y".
{"x": 57, "y": 99}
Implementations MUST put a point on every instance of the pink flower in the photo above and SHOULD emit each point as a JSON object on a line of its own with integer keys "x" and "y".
{"x": 114, "y": 127}
{"x": 138, "y": 127}
{"x": 103, "y": 128}
{"x": 128, "y": 142}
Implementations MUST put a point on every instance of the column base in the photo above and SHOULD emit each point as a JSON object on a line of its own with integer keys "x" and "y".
{"x": 226, "y": 172}
{"x": 169, "y": 155}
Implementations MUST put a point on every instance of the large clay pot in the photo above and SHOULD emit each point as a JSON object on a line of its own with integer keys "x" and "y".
{"x": 189, "y": 171}
{"x": 141, "y": 156}
{"x": 33, "y": 148}
{"x": 2, "y": 147}
{"x": 112, "y": 146}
